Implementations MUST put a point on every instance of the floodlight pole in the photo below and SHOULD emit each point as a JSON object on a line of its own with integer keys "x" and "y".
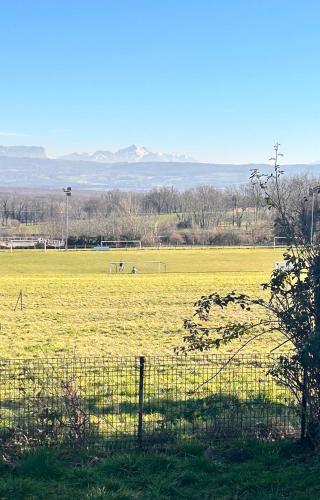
{"x": 67, "y": 221}
{"x": 67, "y": 192}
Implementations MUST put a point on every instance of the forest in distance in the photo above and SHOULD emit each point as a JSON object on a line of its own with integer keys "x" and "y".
{"x": 199, "y": 216}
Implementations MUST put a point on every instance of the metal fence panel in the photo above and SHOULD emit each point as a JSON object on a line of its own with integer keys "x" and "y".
{"x": 135, "y": 401}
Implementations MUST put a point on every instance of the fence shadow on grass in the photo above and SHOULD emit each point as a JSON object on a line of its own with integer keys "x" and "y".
{"x": 128, "y": 402}
{"x": 52, "y": 421}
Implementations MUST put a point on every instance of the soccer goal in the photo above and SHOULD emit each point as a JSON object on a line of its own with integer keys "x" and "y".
{"x": 121, "y": 244}
{"x": 280, "y": 241}
{"x": 137, "y": 267}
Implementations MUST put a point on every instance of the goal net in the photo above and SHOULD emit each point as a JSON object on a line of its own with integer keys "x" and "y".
{"x": 121, "y": 244}
{"x": 137, "y": 267}
{"x": 280, "y": 241}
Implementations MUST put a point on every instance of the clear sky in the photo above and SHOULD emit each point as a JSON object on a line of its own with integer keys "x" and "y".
{"x": 220, "y": 80}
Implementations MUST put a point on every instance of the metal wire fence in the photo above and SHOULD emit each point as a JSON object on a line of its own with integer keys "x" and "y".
{"x": 140, "y": 401}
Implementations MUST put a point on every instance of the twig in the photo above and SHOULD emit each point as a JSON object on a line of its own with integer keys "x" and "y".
{"x": 229, "y": 360}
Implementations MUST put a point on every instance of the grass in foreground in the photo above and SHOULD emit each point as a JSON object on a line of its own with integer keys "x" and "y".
{"x": 265, "y": 471}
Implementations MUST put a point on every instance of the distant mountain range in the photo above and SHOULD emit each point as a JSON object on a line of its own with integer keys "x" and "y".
{"x": 29, "y": 167}
{"x": 132, "y": 154}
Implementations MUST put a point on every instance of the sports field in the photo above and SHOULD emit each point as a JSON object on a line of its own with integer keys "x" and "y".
{"x": 72, "y": 305}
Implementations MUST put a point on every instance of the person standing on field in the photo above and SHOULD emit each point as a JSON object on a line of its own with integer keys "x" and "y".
{"x": 134, "y": 270}
{"x": 121, "y": 266}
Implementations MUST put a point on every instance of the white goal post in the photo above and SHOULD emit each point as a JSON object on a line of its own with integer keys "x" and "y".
{"x": 139, "y": 267}
{"x": 279, "y": 241}
{"x": 121, "y": 244}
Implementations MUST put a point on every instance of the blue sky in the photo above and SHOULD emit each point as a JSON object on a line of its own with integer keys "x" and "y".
{"x": 218, "y": 80}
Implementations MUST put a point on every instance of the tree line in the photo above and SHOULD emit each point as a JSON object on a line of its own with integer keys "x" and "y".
{"x": 202, "y": 215}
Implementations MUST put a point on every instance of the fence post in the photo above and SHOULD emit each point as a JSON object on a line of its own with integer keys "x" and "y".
{"x": 141, "y": 387}
{"x": 303, "y": 422}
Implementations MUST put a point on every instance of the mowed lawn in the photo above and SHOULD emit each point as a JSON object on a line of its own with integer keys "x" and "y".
{"x": 72, "y": 305}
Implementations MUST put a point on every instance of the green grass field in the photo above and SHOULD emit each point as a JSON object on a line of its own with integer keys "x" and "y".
{"x": 72, "y": 305}
{"x": 268, "y": 471}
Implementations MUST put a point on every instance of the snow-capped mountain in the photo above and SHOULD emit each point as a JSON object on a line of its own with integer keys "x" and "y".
{"x": 131, "y": 154}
